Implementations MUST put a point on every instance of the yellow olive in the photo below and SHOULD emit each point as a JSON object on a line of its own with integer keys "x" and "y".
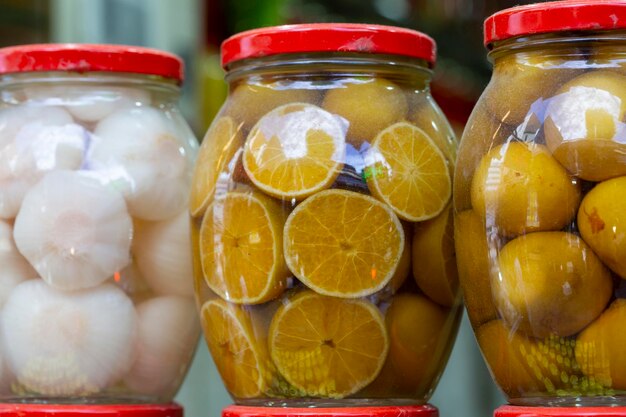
{"x": 519, "y": 187}
{"x": 521, "y": 80}
{"x": 550, "y": 283}
{"x": 472, "y": 255}
{"x": 521, "y": 365}
{"x": 369, "y": 105}
{"x": 600, "y": 347}
{"x": 482, "y": 133}
{"x": 602, "y": 223}
{"x": 584, "y": 126}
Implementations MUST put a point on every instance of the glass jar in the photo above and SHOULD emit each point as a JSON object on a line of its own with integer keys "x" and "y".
{"x": 96, "y": 281}
{"x": 540, "y": 195}
{"x": 321, "y": 219}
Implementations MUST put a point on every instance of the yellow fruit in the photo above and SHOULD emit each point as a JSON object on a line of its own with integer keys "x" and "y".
{"x": 369, "y": 105}
{"x": 472, "y": 257}
{"x": 406, "y": 170}
{"x": 241, "y": 247}
{"x": 428, "y": 117}
{"x": 482, "y": 133}
{"x": 550, "y": 283}
{"x": 343, "y": 243}
{"x": 328, "y": 347}
{"x": 519, "y": 187}
{"x": 600, "y": 347}
{"x": 523, "y": 367}
{"x": 584, "y": 125}
{"x": 404, "y": 265}
{"x": 239, "y": 357}
{"x": 295, "y": 150}
{"x": 602, "y": 223}
{"x": 522, "y": 79}
{"x": 434, "y": 262}
{"x": 249, "y": 101}
{"x": 216, "y": 156}
{"x": 421, "y": 334}
{"x": 415, "y": 326}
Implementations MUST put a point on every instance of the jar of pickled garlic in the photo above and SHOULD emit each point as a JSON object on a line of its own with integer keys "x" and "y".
{"x": 540, "y": 204}
{"x": 321, "y": 219}
{"x": 96, "y": 281}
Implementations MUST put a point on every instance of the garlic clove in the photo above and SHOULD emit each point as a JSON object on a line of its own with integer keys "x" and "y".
{"x": 68, "y": 343}
{"x": 140, "y": 151}
{"x": 162, "y": 251}
{"x": 167, "y": 335}
{"x": 14, "y": 269}
{"x": 75, "y": 231}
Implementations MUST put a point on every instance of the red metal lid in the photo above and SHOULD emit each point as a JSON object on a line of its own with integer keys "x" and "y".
{"x": 515, "y": 411}
{"x": 88, "y": 57}
{"x": 328, "y": 37}
{"x": 555, "y": 16}
{"x": 70, "y": 410}
{"x": 426, "y": 410}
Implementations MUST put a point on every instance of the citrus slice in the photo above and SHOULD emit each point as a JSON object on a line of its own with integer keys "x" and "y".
{"x": 240, "y": 247}
{"x": 328, "y": 347}
{"x": 295, "y": 150}
{"x": 343, "y": 243}
{"x": 239, "y": 358}
{"x": 217, "y": 152}
{"x": 406, "y": 169}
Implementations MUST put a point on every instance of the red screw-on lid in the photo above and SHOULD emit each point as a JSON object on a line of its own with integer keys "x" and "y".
{"x": 87, "y": 57}
{"x": 328, "y": 37}
{"x": 516, "y": 411}
{"x": 555, "y": 16}
{"x": 83, "y": 410}
{"x": 399, "y": 411}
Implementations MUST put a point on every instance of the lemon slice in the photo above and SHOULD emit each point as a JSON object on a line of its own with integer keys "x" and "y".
{"x": 295, "y": 151}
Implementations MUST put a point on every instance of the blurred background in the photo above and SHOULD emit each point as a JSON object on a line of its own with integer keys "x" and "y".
{"x": 194, "y": 30}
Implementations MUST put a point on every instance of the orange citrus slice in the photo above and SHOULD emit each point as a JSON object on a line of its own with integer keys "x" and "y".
{"x": 295, "y": 150}
{"x": 406, "y": 170}
{"x": 241, "y": 247}
{"x": 239, "y": 358}
{"x": 326, "y": 346}
{"x": 343, "y": 243}
{"x": 217, "y": 152}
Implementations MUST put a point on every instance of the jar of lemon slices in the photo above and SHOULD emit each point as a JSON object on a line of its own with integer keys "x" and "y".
{"x": 321, "y": 219}
{"x": 540, "y": 204}
{"x": 96, "y": 283}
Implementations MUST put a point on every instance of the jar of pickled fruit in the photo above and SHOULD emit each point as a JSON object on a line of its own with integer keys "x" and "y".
{"x": 96, "y": 281}
{"x": 321, "y": 219}
{"x": 540, "y": 204}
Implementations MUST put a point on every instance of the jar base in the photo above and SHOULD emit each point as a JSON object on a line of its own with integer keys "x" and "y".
{"x": 617, "y": 400}
{"x": 599, "y": 411}
{"x": 363, "y": 409}
{"x": 329, "y": 402}
{"x": 91, "y": 400}
{"x": 85, "y": 410}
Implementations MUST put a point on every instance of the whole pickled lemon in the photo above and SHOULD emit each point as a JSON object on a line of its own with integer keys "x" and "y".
{"x": 584, "y": 126}
{"x": 369, "y": 105}
{"x": 602, "y": 223}
{"x": 600, "y": 347}
{"x": 418, "y": 331}
{"x": 519, "y": 187}
{"x": 550, "y": 283}
{"x": 525, "y": 366}
{"x": 249, "y": 101}
{"x": 434, "y": 262}
{"x": 472, "y": 257}
{"x": 522, "y": 79}
{"x": 482, "y": 134}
